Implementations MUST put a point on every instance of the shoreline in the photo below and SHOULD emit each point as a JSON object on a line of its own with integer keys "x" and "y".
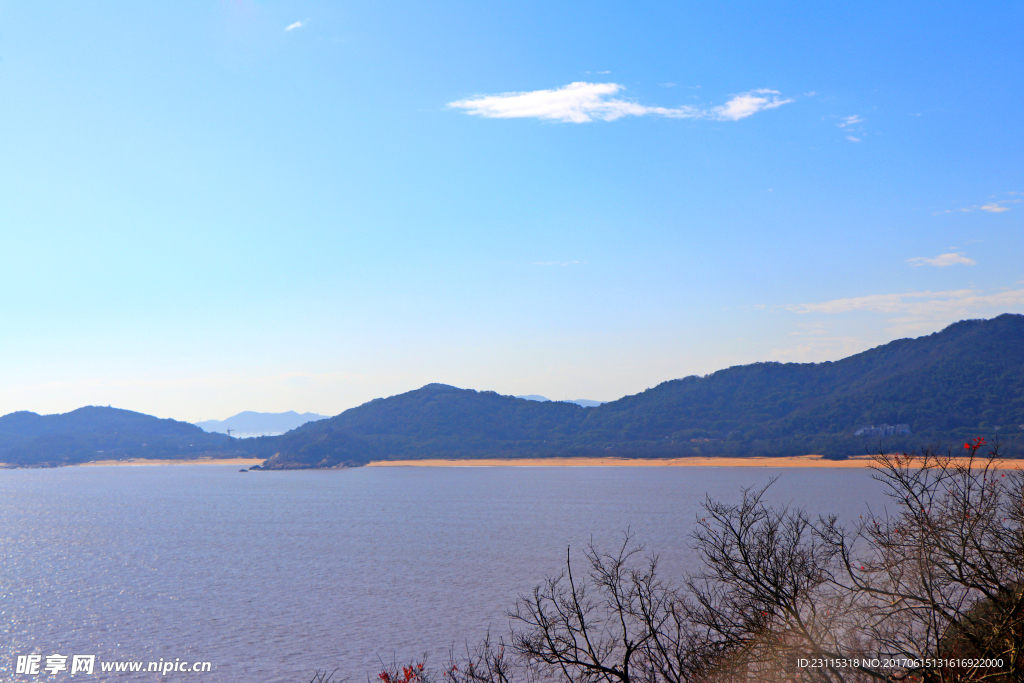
{"x": 818, "y": 461}
{"x": 696, "y": 461}
{"x": 146, "y": 462}
{"x": 857, "y": 461}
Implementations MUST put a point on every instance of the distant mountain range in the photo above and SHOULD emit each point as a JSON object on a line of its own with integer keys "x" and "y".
{"x": 965, "y": 381}
{"x": 586, "y": 403}
{"x": 251, "y": 423}
{"x": 944, "y": 388}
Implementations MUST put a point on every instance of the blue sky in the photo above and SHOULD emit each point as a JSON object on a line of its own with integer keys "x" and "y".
{"x": 210, "y": 207}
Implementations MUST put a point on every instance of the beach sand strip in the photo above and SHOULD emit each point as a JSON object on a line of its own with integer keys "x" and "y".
{"x": 858, "y": 461}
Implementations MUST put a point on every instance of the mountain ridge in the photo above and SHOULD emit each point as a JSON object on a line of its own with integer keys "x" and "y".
{"x": 959, "y": 382}
{"x": 964, "y": 381}
{"x": 102, "y": 433}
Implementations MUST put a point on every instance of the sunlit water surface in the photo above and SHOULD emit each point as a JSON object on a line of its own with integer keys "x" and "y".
{"x": 273, "y": 575}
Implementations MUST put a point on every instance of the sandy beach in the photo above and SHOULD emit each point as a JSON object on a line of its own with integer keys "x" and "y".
{"x": 794, "y": 461}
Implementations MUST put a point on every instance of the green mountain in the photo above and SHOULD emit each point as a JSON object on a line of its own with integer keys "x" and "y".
{"x": 95, "y": 433}
{"x": 962, "y": 382}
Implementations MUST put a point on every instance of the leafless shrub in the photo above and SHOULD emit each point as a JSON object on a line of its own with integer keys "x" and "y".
{"x": 941, "y": 578}
{"x": 767, "y": 596}
{"x": 783, "y": 597}
{"x": 619, "y": 623}
{"x": 487, "y": 662}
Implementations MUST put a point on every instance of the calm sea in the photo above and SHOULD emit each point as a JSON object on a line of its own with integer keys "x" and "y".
{"x": 273, "y": 575}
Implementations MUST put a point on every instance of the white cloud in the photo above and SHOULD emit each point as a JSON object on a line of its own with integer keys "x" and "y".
{"x": 918, "y": 311}
{"x": 994, "y": 207}
{"x": 745, "y": 104}
{"x": 583, "y": 102}
{"x": 942, "y": 260}
{"x": 292, "y": 27}
{"x": 879, "y": 303}
{"x": 850, "y": 125}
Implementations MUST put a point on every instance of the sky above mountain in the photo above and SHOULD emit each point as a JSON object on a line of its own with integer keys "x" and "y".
{"x": 209, "y": 207}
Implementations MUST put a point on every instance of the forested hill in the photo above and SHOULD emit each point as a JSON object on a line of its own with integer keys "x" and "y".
{"x": 965, "y": 381}
{"x": 95, "y": 433}
{"x": 434, "y": 421}
{"x": 962, "y": 382}
{"x": 968, "y": 376}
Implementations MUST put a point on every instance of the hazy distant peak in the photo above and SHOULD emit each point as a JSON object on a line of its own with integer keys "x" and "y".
{"x": 252, "y": 423}
{"x": 290, "y": 413}
{"x": 586, "y": 403}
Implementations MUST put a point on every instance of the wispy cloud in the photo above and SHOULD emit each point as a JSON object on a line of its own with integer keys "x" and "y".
{"x": 817, "y": 344}
{"x": 292, "y": 27}
{"x": 745, "y": 104}
{"x": 851, "y": 125}
{"x": 991, "y": 207}
{"x": 881, "y": 303}
{"x": 916, "y": 311}
{"x": 942, "y": 260}
{"x": 584, "y": 102}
